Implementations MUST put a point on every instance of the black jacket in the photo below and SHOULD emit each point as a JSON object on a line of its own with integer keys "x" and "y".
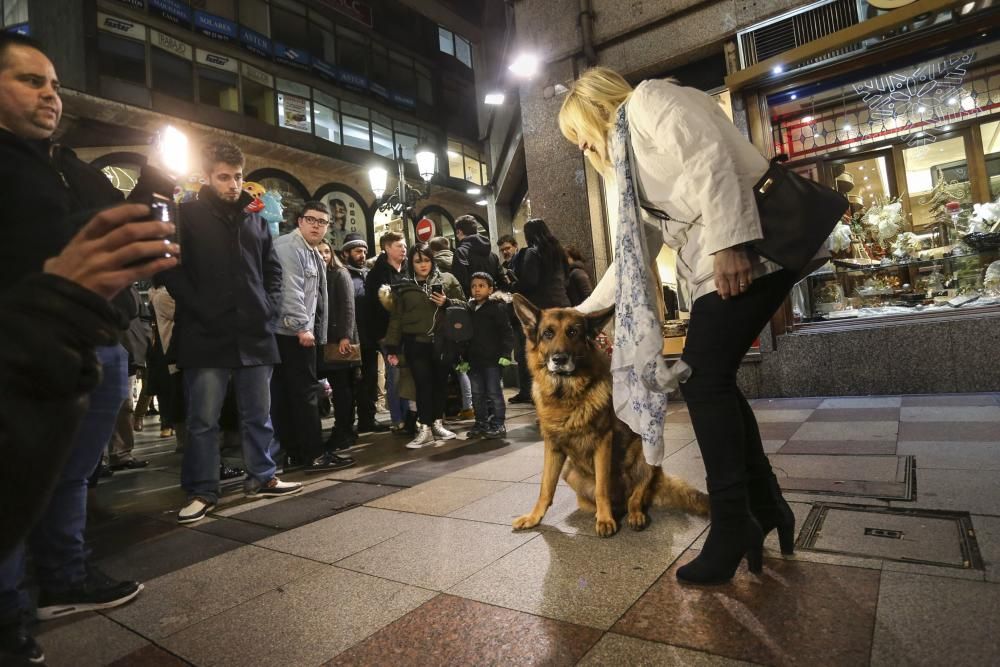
{"x": 380, "y": 274}
{"x": 227, "y": 287}
{"x": 492, "y": 335}
{"x": 578, "y": 285}
{"x": 342, "y": 323}
{"x": 539, "y": 282}
{"x": 47, "y": 368}
{"x": 360, "y": 300}
{"x": 473, "y": 256}
{"x": 48, "y": 194}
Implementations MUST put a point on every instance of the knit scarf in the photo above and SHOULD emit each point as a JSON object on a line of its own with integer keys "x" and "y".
{"x": 641, "y": 378}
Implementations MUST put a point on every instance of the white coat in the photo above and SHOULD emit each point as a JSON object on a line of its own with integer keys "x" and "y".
{"x": 694, "y": 165}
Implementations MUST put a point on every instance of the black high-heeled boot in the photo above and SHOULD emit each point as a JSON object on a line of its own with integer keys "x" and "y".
{"x": 733, "y": 534}
{"x": 771, "y": 510}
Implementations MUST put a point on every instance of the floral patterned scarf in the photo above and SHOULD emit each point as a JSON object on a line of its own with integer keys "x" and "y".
{"x": 641, "y": 378}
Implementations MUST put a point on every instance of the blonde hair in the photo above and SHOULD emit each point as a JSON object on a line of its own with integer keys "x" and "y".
{"x": 589, "y": 112}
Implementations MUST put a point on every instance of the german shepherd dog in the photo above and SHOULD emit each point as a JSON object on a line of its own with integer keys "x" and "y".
{"x": 603, "y": 458}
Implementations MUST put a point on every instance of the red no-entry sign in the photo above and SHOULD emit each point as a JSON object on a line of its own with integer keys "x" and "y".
{"x": 425, "y": 229}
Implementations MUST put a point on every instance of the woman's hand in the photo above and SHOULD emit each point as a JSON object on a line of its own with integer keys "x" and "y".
{"x": 438, "y": 298}
{"x": 392, "y": 359}
{"x": 345, "y": 346}
{"x": 112, "y": 251}
{"x": 732, "y": 271}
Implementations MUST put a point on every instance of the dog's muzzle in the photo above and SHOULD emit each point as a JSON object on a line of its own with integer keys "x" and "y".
{"x": 561, "y": 364}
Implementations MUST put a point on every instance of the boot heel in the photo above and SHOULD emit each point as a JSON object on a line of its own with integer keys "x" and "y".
{"x": 755, "y": 559}
{"x": 786, "y": 538}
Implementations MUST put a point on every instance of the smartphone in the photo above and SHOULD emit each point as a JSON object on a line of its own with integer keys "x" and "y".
{"x": 162, "y": 209}
{"x": 437, "y": 289}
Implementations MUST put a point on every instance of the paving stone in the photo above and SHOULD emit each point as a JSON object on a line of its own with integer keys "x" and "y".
{"x": 926, "y": 621}
{"x": 679, "y": 432}
{"x": 988, "y": 537}
{"x": 585, "y": 580}
{"x": 855, "y": 415}
{"x": 785, "y": 403}
{"x": 668, "y": 528}
{"x": 149, "y": 656}
{"x": 778, "y": 415}
{"x": 951, "y": 414}
{"x": 509, "y": 468}
{"x": 165, "y": 553}
{"x": 234, "y": 529}
{"x": 86, "y": 640}
{"x": 949, "y": 431}
{"x": 394, "y": 477}
{"x": 439, "y": 555}
{"x": 351, "y": 494}
{"x": 440, "y": 496}
{"x": 507, "y": 504}
{"x": 772, "y": 446}
{"x": 778, "y": 430}
{"x": 862, "y": 402}
{"x": 954, "y": 455}
{"x": 936, "y": 400}
{"x": 290, "y": 513}
{"x": 177, "y": 600}
{"x": 615, "y": 649}
{"x": 306, "y": 622}
{"x": 847, "y": 431}
{"x": 840, "y": 447}
{"x": 973, "y": 491}
{"x": 794, "y": 613}
{"x": 344, "y": 534}
{"x": 489, "y": 636}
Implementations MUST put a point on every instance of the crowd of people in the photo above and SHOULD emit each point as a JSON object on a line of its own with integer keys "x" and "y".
{"x": 236, "y": 341}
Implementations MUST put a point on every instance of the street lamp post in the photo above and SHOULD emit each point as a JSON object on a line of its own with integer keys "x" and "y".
{"x": 405, "y": 196}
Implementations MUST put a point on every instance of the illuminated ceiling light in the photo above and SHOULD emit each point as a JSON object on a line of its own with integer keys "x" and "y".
{"x": 952, "y": 101}
{"x": 481, "y": 202}
{"x": 426, "y": 161}
{"x": 377, "y": 177}
{"x": 847, "y": 127}
{"x": 474, "y": 191}
{"x": 968, "y": 103}
{"x": 807, "y": 119}
{"x": 866, "y": 178}
{"x": 862, "y": 168}
{"x": 524, "y": 66}
{"x": 946, "y": 127}
{"x": 921, "y": 109}
{"x": 453, "y": 155}
{"x": 494, "y": 99}
{"x": 777, "y": 69}
{"x": 967, "y": 7}
{"x": 794, "y": 96}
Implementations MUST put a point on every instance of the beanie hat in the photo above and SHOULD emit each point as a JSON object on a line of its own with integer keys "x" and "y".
{"x": 353, "y": 240}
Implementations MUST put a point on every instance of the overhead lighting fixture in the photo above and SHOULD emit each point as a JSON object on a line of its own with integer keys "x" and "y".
{"x": 377, "y": 177}
{"x": 952, "y": 101}
{"x": 921, "y": 109}
{"x": 794, "y": 96}
{"x": 494, "y": 99}
{"x": 807, "y": 119}
{"x": 866, "y": 178}
{"x": 946, "y": 127}
{"x": 968, "y": 104}
{"x": 474, "y": 191}
{"x": 481, "y": 202}
{"x": 777, "y": 69}
{"x": 861, "y": 167}
{"x": 847, "y": 127}
{"x": 524, "y": 66}
{"x": 426, "y": 161}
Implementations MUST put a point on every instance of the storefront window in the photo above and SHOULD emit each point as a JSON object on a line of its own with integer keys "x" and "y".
{"x": 991, "y": 149}
{"x": 406, "y": 136}
{"x": 218, "y": 88}
{"x": 356, "y": 126}
{"x": 382, "y": 135}
{"x": 326, "y": 116}
{"x": 122, "y": 58}
{"x": 258, "y": 94}
{"x": 293, "y": 112}
{"x": 172, "y": 74}
{"x": 293, "y": 197}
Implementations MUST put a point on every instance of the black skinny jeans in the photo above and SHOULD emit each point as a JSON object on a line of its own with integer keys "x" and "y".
{"x": 343, "y": 382}
{"x": 430, "y": 377}
{"x": 719, "y": 334}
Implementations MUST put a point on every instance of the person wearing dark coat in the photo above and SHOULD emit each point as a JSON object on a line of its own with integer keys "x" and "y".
{"x": 541, "y": 278}
{"x": 578, "y": 283}
{"x": 492, "y": 340}
{"x": 473, "y": 254}
{"x": 48, "y": 195}
{"x": 228, "y": 294}
{"x": 387, "y": 270}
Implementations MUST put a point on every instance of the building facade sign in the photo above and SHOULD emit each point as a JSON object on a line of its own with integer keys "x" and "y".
{"x": 171, "y": 44}
{"x": 217, "y": 61}
{"x": 257, "y": 75}
{"x": 120, "y": 26}
{"x": 134, "y": 4}
{"x": 215, "y": 27}
{"x": 325, "y": 69}
{"x": 404, "y": 101}
{"x": 352, "y": 80}
{"x": 291, "y": 56}
{"x": 255, "y": 43}
{"x": 359, "y": 11}
{"x": 172, "y": 10}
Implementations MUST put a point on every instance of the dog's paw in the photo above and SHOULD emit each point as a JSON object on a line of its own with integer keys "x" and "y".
{"x": 526, "y": 521}
{"x": 637, "y": 520}
{"x": 606, "y": 527}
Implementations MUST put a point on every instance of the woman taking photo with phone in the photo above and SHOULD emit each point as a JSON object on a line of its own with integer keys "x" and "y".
{"x": 671, "y": 151}
{"x": 416, "y": 308}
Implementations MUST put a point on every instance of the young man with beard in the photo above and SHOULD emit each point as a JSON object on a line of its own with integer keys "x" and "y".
{"x": 472, "y": 254}
{"x": 302, "y": 326}
{"x": 355, "y": 251}
{"x": 387, "y": 270}
{"x": 228, "y": 291}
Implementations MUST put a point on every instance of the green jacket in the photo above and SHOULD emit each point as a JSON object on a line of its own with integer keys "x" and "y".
{"x": 411, "y": 311}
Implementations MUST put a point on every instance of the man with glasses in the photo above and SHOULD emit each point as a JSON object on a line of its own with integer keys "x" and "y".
{"x": 302, "y": 324}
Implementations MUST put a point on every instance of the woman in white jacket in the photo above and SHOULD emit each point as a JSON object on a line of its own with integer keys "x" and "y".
{"x": 681, "y": 166}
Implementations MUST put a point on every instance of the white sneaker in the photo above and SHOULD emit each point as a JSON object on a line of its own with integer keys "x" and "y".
{"x": 424, "y": 438}
{"x": 275, "y": 488}
{"x": 440, "y": 431}
{"x": 194, "y": 511}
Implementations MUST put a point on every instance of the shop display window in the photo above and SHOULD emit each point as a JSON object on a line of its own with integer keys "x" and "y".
{"x": 172, "y": 75}
{"x": 258, "y": 101}
{"x": 294, "y": 113}
{"x": 990, "y": 133}
{"x": 219, "y": 89}
{"x": 357, "y": 133}
{"x": 121, "y": 58}
{"x": 382, "y": 135}
{"x": 326, "y": 117}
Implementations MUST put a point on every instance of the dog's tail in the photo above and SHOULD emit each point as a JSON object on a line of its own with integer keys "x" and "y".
{"x": 669, "y": 491}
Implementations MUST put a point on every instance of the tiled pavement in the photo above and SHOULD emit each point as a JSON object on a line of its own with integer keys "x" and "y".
{"x": 409, "y": 559}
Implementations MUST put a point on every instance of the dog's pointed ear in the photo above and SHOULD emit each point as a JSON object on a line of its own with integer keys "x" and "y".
{"x": 528, "y": 313}
{"x": 598, "y": 320}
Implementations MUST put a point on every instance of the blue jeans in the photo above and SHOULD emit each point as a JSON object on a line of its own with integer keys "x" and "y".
{"x": 397, "y": 407}
{"x": 206, "y": 391}
{"x": 57, "y": 541}
{"x": 487, "y": 397}
{"x": 466, "y": 387}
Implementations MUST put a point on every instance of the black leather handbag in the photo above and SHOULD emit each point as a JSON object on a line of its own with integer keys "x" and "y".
{"x": 796, "y": 216}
